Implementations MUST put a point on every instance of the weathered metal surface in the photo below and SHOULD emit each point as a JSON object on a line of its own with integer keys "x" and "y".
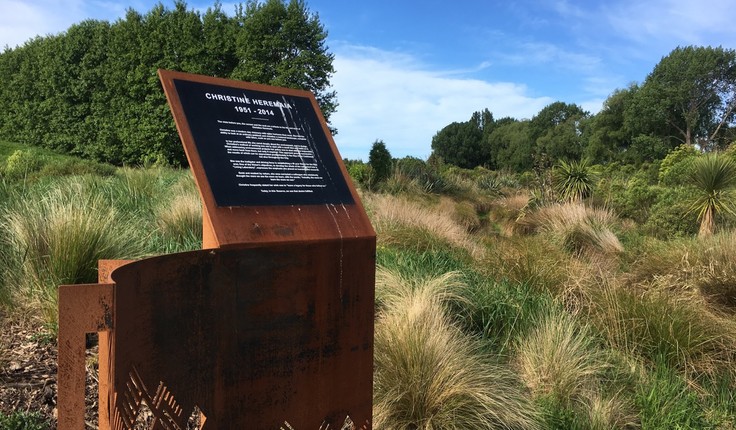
{"x": 252, "y": 225}
{"x": 255, "y": 338}
{"x": 104, "y": 270}
{"x": 83, "y": 308}
{"x": 272, "y": 328}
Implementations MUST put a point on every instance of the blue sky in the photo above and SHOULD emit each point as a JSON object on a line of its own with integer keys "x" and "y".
{"x": 406, "y": 69}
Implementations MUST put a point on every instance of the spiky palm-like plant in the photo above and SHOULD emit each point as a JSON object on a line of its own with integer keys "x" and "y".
{"x": 573, "y": 180}
{"x": 714, "y": 176}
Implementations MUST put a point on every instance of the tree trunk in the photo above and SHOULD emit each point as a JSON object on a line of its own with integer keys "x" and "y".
{"x": 708, "y": 223}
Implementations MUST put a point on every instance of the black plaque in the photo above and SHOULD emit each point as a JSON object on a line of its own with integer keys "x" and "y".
{"x": 261, "y": 149}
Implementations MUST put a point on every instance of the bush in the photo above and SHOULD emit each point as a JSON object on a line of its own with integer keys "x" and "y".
{"x": 21, "y": 163}
{"x": 677, "y": 166}
{"x": 20, "y": 420}
{"x": 670, "y": 216}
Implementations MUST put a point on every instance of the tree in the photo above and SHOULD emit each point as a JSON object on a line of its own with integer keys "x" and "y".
{"x": 510, "y": 146}
{"x": 284, "y": 44}
{"x": 689, "y": 97}
{"x": 714, "y": 177}
{"x": 380, "y": 161}
{"x": 609, "y": 134}
{"x": 557, "y": 133}
{"x": 464, "y": 143}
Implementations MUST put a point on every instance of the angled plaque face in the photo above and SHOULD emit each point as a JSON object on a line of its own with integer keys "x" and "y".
{"x": 260, "y": 148}
{"x": 264, "y": 161}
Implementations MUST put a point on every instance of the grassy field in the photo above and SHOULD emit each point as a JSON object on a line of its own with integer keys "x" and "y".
{"x": 500, "y": 304}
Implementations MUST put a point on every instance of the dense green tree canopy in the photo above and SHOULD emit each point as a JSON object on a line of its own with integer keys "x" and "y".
{"x": 463, "y": 143}
{"x": 284, "y": 45}
{"x": 94, "y": 91}
{"x": 689, "y": 97}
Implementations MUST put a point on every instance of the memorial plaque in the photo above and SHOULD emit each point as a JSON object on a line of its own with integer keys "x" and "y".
{"x": 264, "y": 162}
{"x": 261, "y": 148}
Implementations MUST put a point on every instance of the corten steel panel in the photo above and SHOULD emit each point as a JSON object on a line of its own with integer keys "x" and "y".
{"x": 249, "y": 225}
{"x": 254, "y": 337}
{"x": 83, "y": 308}
{"x": 104, "y": 270}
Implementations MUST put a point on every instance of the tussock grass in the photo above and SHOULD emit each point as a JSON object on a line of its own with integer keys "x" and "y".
{"x": 560, "y": 359}
{"x": 179, "y": 218}
{"x": 429, "y": 375}
{"x": 393, "y": 288}
{"x": 57, "y": 236}
{"x": 507, "y": 210}
{"x": 700, "y": 269}
{"x": 401, "y": 222}
{"x": 659, "y": 325}
{"x": 530, "y": 260}
{"x": 576, "y": 227}
{"x": 611, "y": 412}
{"x": 462, "y": 213}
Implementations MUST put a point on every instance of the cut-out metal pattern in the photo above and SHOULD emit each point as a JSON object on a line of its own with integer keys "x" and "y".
{"x": 348, "y": 424}
{"x": 166, "y": 413}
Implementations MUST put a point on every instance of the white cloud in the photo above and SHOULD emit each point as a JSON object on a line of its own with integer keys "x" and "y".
{"x": 390, "y": 96}
{"x": 674, "y": 22}
{"x": 22, "y": 20}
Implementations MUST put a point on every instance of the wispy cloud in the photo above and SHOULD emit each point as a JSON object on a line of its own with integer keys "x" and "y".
{"x": 391, "y": 96}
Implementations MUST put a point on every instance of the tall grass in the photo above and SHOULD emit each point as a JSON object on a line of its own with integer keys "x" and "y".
{"x": 400, "y": 222}
{"x": 179, "y": 218}
{"x": 56, "y": 236}
{"x": 429, "y": 375}
{"x": 560, "y": 358}
{"x": 666, "y": 402}
{"x": 577, "y": 228}
{"x": 660, "y": 326}
{"x": 501, "y": 312}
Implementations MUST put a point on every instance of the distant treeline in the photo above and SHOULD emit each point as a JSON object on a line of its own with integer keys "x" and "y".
{"x": 93, "y": 90}
{"x": 689, "y": 98}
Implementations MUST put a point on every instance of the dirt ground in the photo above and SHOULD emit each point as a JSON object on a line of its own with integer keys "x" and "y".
{"x": 28, "y": 370}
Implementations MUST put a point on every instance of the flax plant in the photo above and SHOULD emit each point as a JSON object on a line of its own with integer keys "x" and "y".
{"x": 714, "y": 176}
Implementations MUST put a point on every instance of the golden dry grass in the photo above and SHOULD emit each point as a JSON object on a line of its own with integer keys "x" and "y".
{"x": 402, "y": 222}
{"x": 560, "y": 359}
{"x": 428, "y": 374}
{"x": 578, "y": 228}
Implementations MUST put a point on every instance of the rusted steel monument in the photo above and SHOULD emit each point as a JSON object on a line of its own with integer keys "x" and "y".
{"x": 270, "y": 325}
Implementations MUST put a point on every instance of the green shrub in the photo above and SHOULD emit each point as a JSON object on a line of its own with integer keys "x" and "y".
{"x": 362, "y": 174}
{"x": 380, "y": 160}
{"x": 573, "y": 181}
{"x": 670, "y": 216}
{"x": 21, "y": 163}
{"x": 678, "y": 165}
{"x": 20, "y": 420}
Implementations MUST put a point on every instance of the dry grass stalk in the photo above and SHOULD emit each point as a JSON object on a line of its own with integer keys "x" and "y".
{"x": 429, "y": 375}
{"x": 398, "y": 220}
